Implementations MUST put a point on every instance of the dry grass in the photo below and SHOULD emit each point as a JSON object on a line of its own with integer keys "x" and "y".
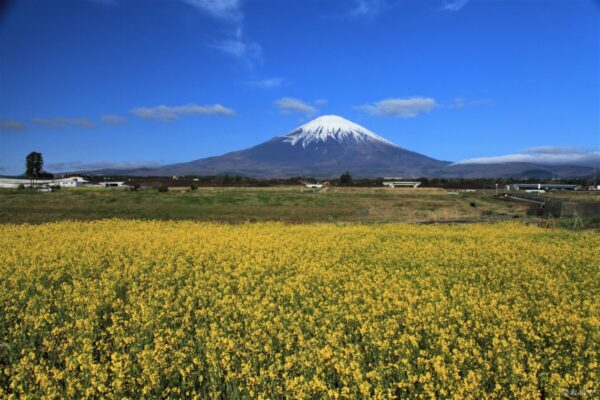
{"x": 286, "y": 204}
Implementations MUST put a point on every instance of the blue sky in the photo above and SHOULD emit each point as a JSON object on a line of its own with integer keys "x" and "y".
{"x": 119, "y": 83}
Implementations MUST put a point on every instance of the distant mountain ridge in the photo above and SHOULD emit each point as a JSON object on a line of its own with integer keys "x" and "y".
{"x": 329, "y": 145}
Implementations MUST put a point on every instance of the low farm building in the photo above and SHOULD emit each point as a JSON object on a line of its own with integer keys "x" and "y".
{"x": 14, "y": 183}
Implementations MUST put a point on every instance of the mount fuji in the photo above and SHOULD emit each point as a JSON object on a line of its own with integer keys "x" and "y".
{"x": 330, "y": 145}
{"x": 324, "y": 147}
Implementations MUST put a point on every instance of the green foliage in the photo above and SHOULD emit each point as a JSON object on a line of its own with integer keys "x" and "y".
{"x": 34, "y": 163}
{"x": 120, "y": 309}
{"x": 45, "y": 175}
{"x": 346, "y": 179}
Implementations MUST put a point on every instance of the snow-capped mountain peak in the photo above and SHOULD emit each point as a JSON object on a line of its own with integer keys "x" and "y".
{"x": 332, "y": 127}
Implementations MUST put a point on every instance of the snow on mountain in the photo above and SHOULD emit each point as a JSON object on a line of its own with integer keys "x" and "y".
{"x": 332, "y": 127}
{"x": 330, "y": 145}
{"x": 324, "y": 147}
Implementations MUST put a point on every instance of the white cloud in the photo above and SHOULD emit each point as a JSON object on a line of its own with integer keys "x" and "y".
{"x": 404, "y": 108}
{"x": 458, "y": 102}
{"x": 168, "y": 113}
{"x": 225, "y": 9}
{"x": 291, "y": 105}
{"x": 235, "y": 44}
{"x": 62, "y": 122}
{"x": 555, "y": 150}
{"x": 454, "y": 5}
{"x": 11, "y": 125}
{"x": 45, "y": 121}
{"x": 554, "y": 155}
{"x": 369, "y": 8}
{"x": 113, "y": 119}
{"x": 246, "y": 52}
{"x": 321, "y": 102}
{"x": 92, "y": 166}
{"x": 461, "y": 102}
{"x": 267, "y": 83}
{"x": 80, "y": 122}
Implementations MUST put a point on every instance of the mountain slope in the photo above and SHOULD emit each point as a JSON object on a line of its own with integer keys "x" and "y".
{"x": 324, "y": 147}
{"x": 329, "y": 145}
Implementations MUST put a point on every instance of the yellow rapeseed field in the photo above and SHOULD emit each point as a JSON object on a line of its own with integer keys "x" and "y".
{"x": 139, "y": 309}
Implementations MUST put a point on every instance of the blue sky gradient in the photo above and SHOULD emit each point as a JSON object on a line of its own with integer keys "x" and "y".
{"x": 81, "y": 80}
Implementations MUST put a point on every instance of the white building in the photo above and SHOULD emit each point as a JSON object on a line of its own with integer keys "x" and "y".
{"x": 73, "y": 181}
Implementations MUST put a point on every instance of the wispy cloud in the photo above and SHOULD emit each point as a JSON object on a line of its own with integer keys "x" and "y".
{"x": 246, "y": 52}
{"x": 461, "y": 102}
{"x": 321, "y": 102}
{"x": 113, "y": 119}
{"x": 454, "y": 5}
{"x": 223, "y": 9}
{"x": 98, "y": 165}
{"x": 236, "y": 44}
{"x": 369, "y": 8}
{"x": 396, "y": 107}
{"x": 63, "y": 122}
{"x": 267, "y": 83}
{"x": 289, "y": 105}
{"x": 79, "y": 122}
{"x": 170, "y": 113}
{"x": 11, "y": 125}
{"x": 46, "y": 122}
{"x": 555, "y": 155}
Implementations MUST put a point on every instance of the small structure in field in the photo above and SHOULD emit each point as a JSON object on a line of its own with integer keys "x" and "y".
{"x": 398, "y": 182}
{"x": 109, "y": 184}
{"x": 314, "y": 185}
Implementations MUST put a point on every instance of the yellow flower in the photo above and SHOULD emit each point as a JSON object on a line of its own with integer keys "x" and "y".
{"x": 148, "y": 309}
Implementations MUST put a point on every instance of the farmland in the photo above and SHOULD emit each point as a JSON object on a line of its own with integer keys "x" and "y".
{"x": 132, "y": 309}
{"x": 235, "y": 205}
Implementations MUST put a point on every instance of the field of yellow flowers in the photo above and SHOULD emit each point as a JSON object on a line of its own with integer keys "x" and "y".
{"x": 141, "y": 309}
